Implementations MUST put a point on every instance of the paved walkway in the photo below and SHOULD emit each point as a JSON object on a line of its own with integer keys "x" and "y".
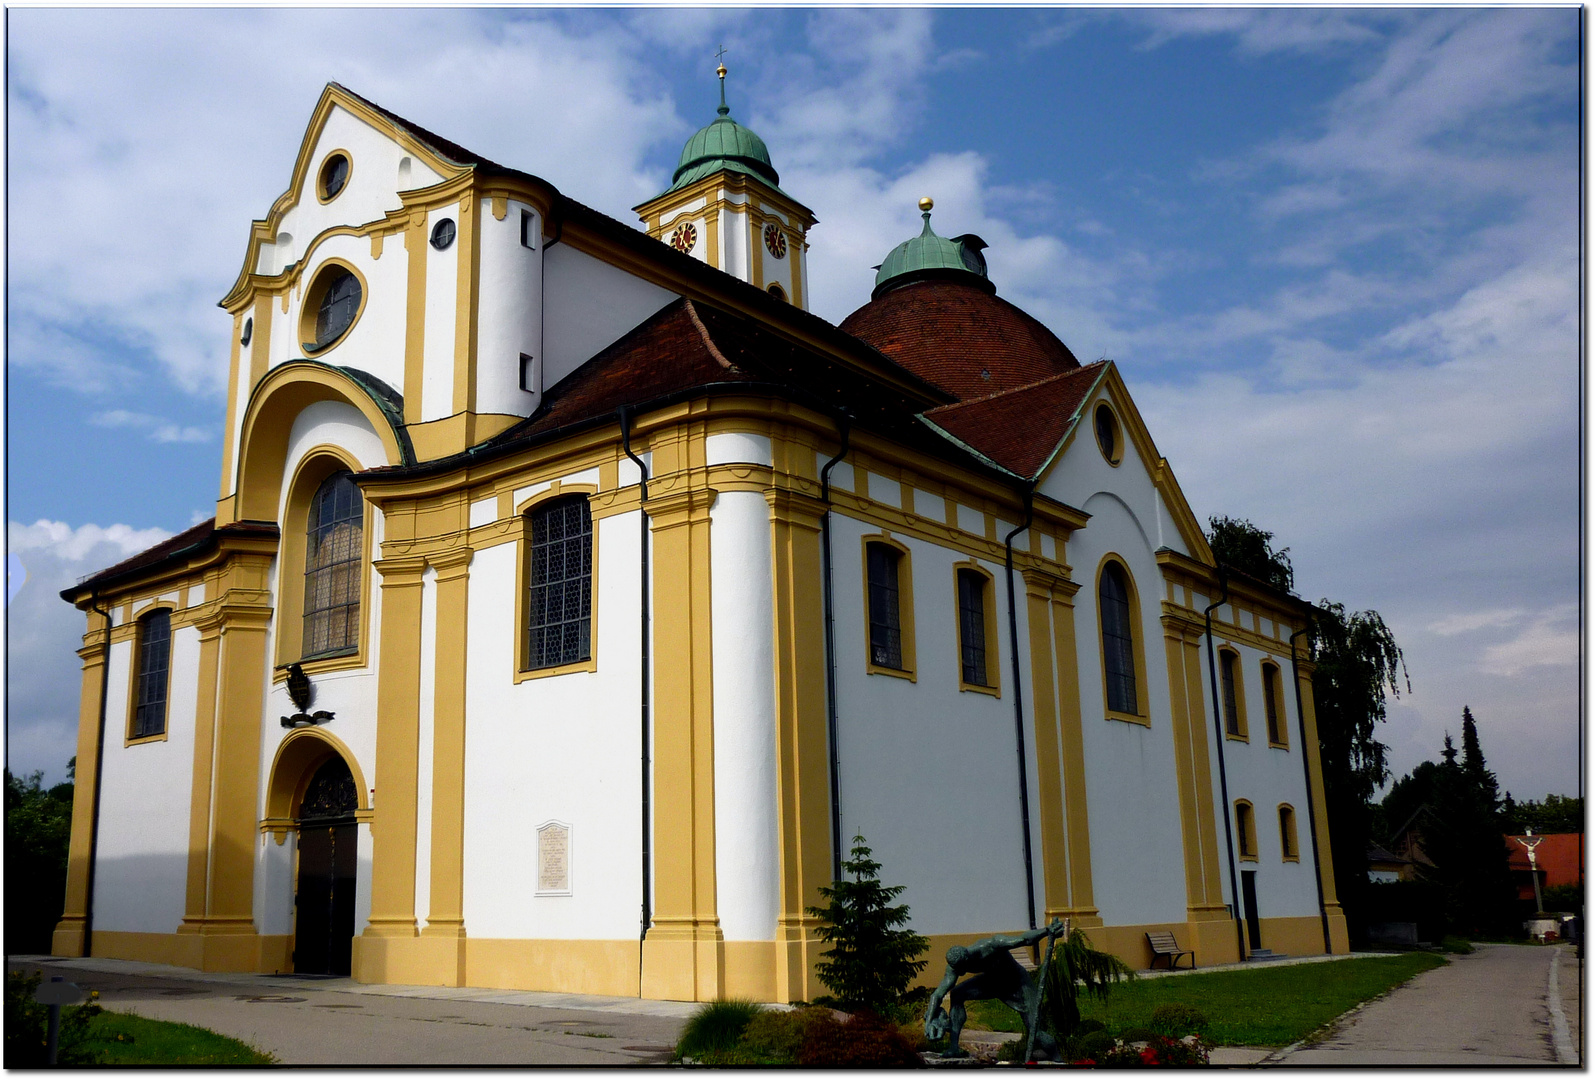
{"x": 1501, "y": 1005}
{"x": 332, "y": 1021}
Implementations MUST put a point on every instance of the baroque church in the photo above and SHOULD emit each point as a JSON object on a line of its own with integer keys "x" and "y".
{"x": 574, "y": 596}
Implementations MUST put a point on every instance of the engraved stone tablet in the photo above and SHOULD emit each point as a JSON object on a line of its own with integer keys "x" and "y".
{"x": 553, "y": 859}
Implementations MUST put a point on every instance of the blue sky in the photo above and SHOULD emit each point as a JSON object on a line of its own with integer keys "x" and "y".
{"x": 1334, "y": 251}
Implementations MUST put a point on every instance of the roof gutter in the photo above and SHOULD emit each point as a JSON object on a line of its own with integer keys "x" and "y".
{"x": 1223, "y": 775}
{"x": 1019, "y": 708}
{"x": 646, "y": 689}
{"x": 844, "y": 425}
{"x": 99, "y": 771}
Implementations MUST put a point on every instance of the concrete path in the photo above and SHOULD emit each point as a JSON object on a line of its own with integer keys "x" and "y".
{"x": 1500, "y": 1005}
{"x": 330, "y": 1021}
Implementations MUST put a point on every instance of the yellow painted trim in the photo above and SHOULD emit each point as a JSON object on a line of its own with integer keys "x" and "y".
{"x": 1143, "y": 704}
{"x": 1115, "y": 455}
{"x": 229, "y": 433}
{"x": 1071, "y": 730}
{"x": 466, "y": 278}
{"x": 320, "y": 281}
{"x": 321, "y": 196}
{"x": 1187, "y": 782}
{"x": 203, "y": 777}
{"x": 446, "y": 918}
{"x": 133, "y": 676}
{"x": 1289, "y": 845}
{"x": 1049, "y": 771}
{"x": 1230, "y": 655}
{"x": 1273, "y": 694}
{"x": 239, "y": 950}
{"x": 67, "y": 939}
{"x": 1315, "y": 777}
{"x": 300, "y": 753}
{"x": 905, "y": 608}
{"x": 312, "y": 470}
{"x": 415, "y": 246}
{"x": 523, "y": 616}
{"x": 988, "y": 595}
{"x": 1245, "y": 830}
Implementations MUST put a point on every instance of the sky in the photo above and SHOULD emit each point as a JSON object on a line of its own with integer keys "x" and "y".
{"x": 1334, "y": 253}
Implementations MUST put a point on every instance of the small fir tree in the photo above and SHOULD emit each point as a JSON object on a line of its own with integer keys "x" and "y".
{"x": 871, "y": 960}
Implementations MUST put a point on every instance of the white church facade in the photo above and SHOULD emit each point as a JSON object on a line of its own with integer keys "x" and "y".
{"x": 574, "y": 595}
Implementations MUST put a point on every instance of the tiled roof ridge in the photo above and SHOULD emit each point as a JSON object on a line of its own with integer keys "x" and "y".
{"x": 1071, "y": 373}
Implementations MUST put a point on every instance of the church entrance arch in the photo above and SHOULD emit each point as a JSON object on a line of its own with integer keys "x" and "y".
{"x": 324, "y": 885}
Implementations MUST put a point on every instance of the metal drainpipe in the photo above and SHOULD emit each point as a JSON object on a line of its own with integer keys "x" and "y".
{"x": 1307, "y": 777}
{"x": 99, "y": 771}
{"x": 1223, "y": 776}
{"x": 844, "y": 424}
{"x": 647, "y": 696}
{"x": 1019, "y": 709}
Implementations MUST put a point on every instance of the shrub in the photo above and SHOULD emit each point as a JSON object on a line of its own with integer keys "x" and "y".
{"x": 864, "y": 1041}
{"x": 1176, "y": 1020}
{"x": 871, "y": 959}
{"x": 1092, "y": 1046}
{"x": 718, "y": 1025}
{"x": 1452, "y": 944}
{"x": 778, "y": 1036}
{"x": 28, "y": 1026}
{"x": 1012, "y": 1050}
{"x": 1137, "y": 1035}
{"x": 1076, "y": 968}
{"x": 1159, "y": 1051}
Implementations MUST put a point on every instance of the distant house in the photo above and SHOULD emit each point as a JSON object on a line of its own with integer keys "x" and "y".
{"x": 1386, "y": 866}
{"x": 1559, "y": 859}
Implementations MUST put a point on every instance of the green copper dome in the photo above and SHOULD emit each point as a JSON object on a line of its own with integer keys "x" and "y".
{"x": 724, "y": 145}
{"x": 928, "y": 255}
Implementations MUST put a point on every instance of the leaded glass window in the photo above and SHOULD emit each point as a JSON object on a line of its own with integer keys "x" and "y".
{"x": 560, "y": 580}
{"x": 154, "y": 667}
{"x": 1118, "y": 645}
{"x": 340, "y": 303}
{"x": 1232, "y": 712}
{"x": 1271, "y": 702}
{"x": 972, "y": 626}
{"x": 885, "y": 620}
{"x": 333, "y": 551}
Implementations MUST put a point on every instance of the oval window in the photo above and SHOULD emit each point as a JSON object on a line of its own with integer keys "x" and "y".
{"x": 340, "y": 301}
{"x": 334, "y": 175}
{"x": 443, "y": 233}
{"x": 249, "y": 331}
{"x": 1107, "y": 434}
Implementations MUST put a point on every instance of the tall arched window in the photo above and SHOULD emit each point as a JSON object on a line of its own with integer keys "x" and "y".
{"x": 560, "y": 583}
{"x": 1234, "y": 702}
{"x": 333, "y": 550}
{"x": 1287, "y": 833}
{"x": 1118, "y": 641}
{"x": 1274, "y": 704}
{"x": 1245, "y": 830}
{"x": 885, "y": 614}
{"x": 154, "y": 669}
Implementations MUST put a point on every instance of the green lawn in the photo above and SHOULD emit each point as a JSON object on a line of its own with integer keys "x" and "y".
{"x": 1265, "y": 1006}
{"x": 124, "y": 1039}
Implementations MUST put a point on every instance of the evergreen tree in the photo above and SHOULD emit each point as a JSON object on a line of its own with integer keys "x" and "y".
{"x": 871, "y": 959}
{"x": 1481, "y": 778}
{"x": 38, "y": 832}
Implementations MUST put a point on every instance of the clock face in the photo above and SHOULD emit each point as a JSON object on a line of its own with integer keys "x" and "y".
{"x": 775, "y": 240}
{"x": 684, "y": 238}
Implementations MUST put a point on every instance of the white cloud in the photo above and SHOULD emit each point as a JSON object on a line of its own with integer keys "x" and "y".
{"x": 44, "y": 677}
{"x": 1464, "y": 622}
{"x": 158, "y": 430}
{"x": 1549, "y": 640}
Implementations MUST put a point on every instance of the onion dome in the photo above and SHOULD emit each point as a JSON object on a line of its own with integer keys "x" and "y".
{"x": 930, "y": 256}
{"x": 723, "y": 145}
{"x": 937, "y": 315}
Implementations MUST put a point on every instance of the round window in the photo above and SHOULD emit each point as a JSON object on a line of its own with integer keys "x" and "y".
{"x": 443, "y": 233}
{"x": 249, "y": 331}
{"x": 334, "y": 175}
{"x": 340, "y": 302}
{"x": 1107, "y": 426}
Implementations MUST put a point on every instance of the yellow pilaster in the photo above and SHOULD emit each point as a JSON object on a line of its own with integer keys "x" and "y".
{"x": 378, "y": 952}
{"x": 444, "y": 935}
{"x": 202, "y": 793}
{"x": 415, "y": 247}
{"x": 69, "y": 932}
{"x": 802, "y": 758}
{"x": 469, "y": 271}
{"x": 1338, "y": 938}
{"x": 683, "y": 955}
{"x": 1082, "y": 905}
{"x": 1039, "y": 587}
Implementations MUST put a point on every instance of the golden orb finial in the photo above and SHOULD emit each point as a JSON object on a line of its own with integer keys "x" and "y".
{"x": 926, "y": 203}
{"x": 721, "y": 71}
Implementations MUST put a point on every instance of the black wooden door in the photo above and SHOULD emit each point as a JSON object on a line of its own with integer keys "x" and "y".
{"x": 324, "y": 895}
{"x": 1254, "y": 929}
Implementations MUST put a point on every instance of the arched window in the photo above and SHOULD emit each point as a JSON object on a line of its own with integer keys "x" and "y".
{"x": 560, "y": 584}
{"x": 337, "y": 309}
{"x": 974, "y": 617}
{"x": 1245, "y": 830}
{"x": 1287, "y": 833}
{"x": 154, "y": 669}
{"x": 1234, "y": 702}
{"x": 885, "y": 607}
{"x": 1274, "y": 705}
{"x": 1118, "y": 641}
{"x": 333, "y": 552}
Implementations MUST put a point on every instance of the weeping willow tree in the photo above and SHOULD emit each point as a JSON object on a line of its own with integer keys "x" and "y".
{"x": 1076, "y": 969}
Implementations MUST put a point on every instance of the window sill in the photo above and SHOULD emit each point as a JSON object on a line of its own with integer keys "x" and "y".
{"x": 590, "y": 664}
{"x": 1129, "y": 718}
{"x": 976, "y": 688}
{"x": 1231, "y": 737}
{"x": 1292, "y": 858}
{"x": 896, "y": 673}
{"x": 321, "y": 663}
{"x": 142, "y": 739}
{"x": 1279, "y": 746}
{"x": 1248, "y": 858}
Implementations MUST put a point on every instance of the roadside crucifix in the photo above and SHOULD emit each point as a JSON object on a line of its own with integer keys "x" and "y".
{"x": 1530, "y": 842}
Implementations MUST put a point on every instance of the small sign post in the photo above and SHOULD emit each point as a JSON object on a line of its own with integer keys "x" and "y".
{"x": 55, "y": 994}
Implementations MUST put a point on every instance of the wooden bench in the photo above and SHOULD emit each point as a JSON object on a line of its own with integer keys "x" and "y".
{"x": 1164, "y": 945}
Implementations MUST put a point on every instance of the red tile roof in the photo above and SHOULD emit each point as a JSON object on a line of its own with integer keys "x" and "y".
{"x": 1020, "y": 428}
{"x": 960, "y": 338}
{"x": 191, "y": 541}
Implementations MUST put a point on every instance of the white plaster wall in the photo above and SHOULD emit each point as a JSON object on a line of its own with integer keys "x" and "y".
{"x": 510, "y": 309}
{"x": 141, "y": 870}
{"x": 1266, "y": 777}
{"x": 733, "y": 447}
{"x": 274, "y": 883}
{"x": 1137, "y": 854}
{"x": 587, "y": 305}
{"x": 563, "y": 748}
{"x": 442, "y": 296}
{"x": 735, "y": 258}
{"x": 747, "y": 843}
{"x": 929, "y": 773}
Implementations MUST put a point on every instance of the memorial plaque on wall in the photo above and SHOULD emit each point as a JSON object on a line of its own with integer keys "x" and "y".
{"x": 553, "y": 859}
